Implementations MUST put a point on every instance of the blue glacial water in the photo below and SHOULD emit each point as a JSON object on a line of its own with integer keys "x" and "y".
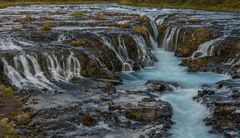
{"x": 188, "y": 114}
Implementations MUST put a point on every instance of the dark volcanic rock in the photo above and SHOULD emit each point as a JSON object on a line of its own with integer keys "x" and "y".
{"x": 149, "y": 112}
{"x": 160, "y": 86}
{"x": 223, "y": 99}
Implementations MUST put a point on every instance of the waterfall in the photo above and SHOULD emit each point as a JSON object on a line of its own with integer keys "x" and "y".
{"x": 153, "y": 39}
{"x": 64, "y": 37}
{"x": 232, "y": 62}
{"x": 154, "y": 26}
{"x": 120, "y": 51}
{"x": 170, "y": 40}
{"x": 8, "y": 44}
{"x": 207, "y": 48}
{"x": 26, "y": 70}
{"x": 63, "y": 69}
{"x": 144, "y": 57}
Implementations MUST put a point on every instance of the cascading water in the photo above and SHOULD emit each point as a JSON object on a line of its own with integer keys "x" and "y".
{"x": 170, "y": 40}
{"x": 26, "y": 70}
{"x": 118, "y": 52}
{"x": 207, "y": 48}
{"x": 142, "y": 51}
{"x": 188, "y": 114}
{"x": 23, "y": 74}
{"x": 61, "y": 64}
{"x": 8, "y": 44}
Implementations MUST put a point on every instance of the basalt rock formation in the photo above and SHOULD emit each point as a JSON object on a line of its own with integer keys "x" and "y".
{"x": 63, "y": 63}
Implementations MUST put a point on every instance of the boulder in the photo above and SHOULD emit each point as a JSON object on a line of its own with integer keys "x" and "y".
{"x": 160, "y": 86}
{"x": 149, "y": 112}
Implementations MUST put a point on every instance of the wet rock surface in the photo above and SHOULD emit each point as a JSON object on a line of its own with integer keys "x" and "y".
{"x": 62, "y": 61}
{"x": 99, "y": 113}
{"x": 161, "y": 86}
{"x": 223, "y": 99}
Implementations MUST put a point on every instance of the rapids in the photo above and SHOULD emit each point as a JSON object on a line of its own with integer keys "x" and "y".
{"x": 188, "y": 114}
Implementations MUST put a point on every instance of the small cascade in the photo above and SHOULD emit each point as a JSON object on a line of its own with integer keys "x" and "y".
{"x": 27, "y": 70}
{"x": 8, "y": 44}
{"x": 232, "y": 62}
{"x": 120, "y": 51}
{"x": 207, "y": 48}
{"x": 99, "y": 63}
{"x": 123, "y": 50}
{"x": 153, "y": 39}
{"x": 170, "y": 40}
{"x": 160, "y": 21}
{"x": 154, "y": 26}
{"x": 143, "y": 55}
{"x": 64, "y": 37}
{"x": 63, "y": 69}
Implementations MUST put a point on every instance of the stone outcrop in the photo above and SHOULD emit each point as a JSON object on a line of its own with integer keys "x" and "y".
{"x": 160, "y": 86}
{"x": 223, "y": 99}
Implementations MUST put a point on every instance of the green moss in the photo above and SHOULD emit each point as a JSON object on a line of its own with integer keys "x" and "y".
{"x": 81, "y": 42}
{"x": 78, "y": 14}
{"x": 124, "y": 25}
{"x": 47, "y": 26}
{"x": 140, "y": 29}
{"x": 6, "y": 90}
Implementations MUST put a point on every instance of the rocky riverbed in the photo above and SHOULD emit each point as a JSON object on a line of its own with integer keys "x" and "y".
{"x": 102, "y": 70}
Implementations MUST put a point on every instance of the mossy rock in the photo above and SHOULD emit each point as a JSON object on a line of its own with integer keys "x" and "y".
{"x": 47, "y": 26}
{"x": 78, "y": 14}
{"x": 196, "y": 64}
{"x": 191, "y": 38}
{"x": 141, "y": 30}
{"x": 81, "y": 42}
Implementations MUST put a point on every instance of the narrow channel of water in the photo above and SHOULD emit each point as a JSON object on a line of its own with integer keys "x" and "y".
{"x": 188, "y": 114}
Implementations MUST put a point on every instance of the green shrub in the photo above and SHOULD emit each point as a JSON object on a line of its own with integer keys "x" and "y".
{"x": 6, "y": 90}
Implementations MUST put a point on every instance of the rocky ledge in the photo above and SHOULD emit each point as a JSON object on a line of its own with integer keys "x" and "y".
{"x": 101, "y": 112}
{"x": 223, "y": 98}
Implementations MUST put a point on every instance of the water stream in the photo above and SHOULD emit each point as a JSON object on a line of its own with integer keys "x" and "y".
{"x": 188, "y": 114}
